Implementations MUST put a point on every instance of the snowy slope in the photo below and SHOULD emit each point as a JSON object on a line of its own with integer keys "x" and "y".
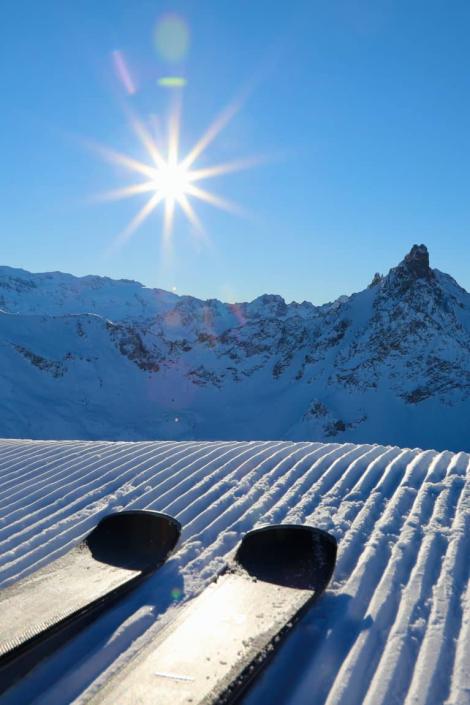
{"x": 93, "y": 358}
{"x": 58, "y": 294}
{"x": 392, "y": 628}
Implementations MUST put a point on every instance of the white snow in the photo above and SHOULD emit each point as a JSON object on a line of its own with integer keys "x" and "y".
{"x": 393, "y": 626}
{"x": 91, "y": 358}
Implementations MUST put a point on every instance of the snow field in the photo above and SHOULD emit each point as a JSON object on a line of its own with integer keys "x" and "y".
{"x": 393, "y": 627}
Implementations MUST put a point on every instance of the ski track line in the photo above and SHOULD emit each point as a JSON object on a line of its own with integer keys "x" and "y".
{"x": 222, "y": 547}
{"x": 408, "y": 554}
{"x": 394, "y": 626}
{"x": 312, "y": 481}
{"x": 305, "y": 472}
{"x": 34, "y": 468}
{"x": 153, "y": 498}
{"x": 363, "y": 521}
{"x": 355, "y": 615}
{"x": 394, "y": 672}
{"x": 375, "y": 553}
{"x": 180, "y": 504}
{"x": 460, "y": 679}
{"x": 31, "y": 487}
{"x": 188, "y": 506}
{"x": 245, "y": 513}
{"x": 69, "y": 537}
{"x": 240, "y": 484}
{"x": 16, "y": 470}
{"x": 325, "y": 514}
{"x": 81, "y": 470}
{"x": 364, "y": 570}
{"x": 327, "y": 483}
{"x": 10, "y": 457}
{"x": 57, "y": 470}
{"x": 24, "y": 449}
{"x": 81, "y": 526}
{"x": 92, "y": 491}
{"x": 254, "y": 463}
{"x": 59, "y": 499}
{"x": 368, "y": 482}
{"x": 93, "y": 508}
{"x": 344, "y": 514}
{"x": 100, "y": 458}
{"x": 203, "y": 525}
{"x": 431, "y": 681}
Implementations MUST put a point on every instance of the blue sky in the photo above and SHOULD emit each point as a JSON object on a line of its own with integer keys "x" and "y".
{"x": 364, "y": 104}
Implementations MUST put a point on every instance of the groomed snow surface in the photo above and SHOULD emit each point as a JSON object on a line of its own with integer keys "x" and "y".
{"x": 394, "y": 624}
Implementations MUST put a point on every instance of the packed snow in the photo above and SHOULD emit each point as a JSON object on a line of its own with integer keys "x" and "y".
{"x": 393, "y": 626}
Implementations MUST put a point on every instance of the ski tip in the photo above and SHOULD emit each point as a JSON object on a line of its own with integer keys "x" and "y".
{"x": 291, "y": 555}
{"x": 134, "y": 539}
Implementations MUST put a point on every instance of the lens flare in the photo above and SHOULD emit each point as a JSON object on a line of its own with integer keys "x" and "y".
{"x": 122, "y": 71}
{"x": 176, "y": 594}
{"x": 172, "y": 82}
{"x": 172, "y": 38}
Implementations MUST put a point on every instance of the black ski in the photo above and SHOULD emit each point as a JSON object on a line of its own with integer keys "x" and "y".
{"x": 221, "y": 640}
{"x": 39, "y": 613}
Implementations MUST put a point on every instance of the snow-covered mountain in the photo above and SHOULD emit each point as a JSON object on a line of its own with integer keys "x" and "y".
{"x": 91, "y": 358}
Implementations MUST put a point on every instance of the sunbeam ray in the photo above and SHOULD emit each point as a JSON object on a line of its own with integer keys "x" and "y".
{"x": 191, "y": 214}
{"x": 139, "y": 218}
{"x": 126, "y": 192}
{"x": 123, "y": 160}
{"x": 214, "y": 200}
{"x": 211, "y": 133}
{"x": 226, "y": 168}
{"x": 146, "y": 139}
{"x": 168, "y": 219}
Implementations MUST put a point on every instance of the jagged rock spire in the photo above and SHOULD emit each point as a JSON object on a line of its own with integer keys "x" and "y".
{"x": 376, "y": 279}
{"x": 416, "y": 262}
{"x": 412, "y": 269}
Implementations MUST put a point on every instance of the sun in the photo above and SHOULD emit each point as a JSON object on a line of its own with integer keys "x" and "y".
{"x": 170, "y": 180}
{"x": 173, "y": 182}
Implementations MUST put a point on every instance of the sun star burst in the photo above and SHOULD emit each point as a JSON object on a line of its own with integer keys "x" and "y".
{"x": 171, "y": 181}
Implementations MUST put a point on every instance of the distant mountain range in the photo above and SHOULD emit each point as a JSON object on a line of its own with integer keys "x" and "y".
{"x": 90, "y": 358}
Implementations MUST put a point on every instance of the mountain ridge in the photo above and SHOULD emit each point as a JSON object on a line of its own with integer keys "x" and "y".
{"x": 96, "y": 358}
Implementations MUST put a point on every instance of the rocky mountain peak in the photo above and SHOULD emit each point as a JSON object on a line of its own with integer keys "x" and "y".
{"x": 416, "y": 263}
{"x": 413, "y": 270}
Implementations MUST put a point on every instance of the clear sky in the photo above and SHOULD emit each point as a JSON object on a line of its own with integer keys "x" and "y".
{"x": 364, "y": 106}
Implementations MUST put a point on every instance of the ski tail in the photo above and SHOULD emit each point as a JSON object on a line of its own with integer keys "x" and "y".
{"x": 134, "y": 539}
{"x": 290, "y": 555}
{"x": 287, "y": 556}
{"x": 119, "y": 553}
{"x": 218, "y": 643}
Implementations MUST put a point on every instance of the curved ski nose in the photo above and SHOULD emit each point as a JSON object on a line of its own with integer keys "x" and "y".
{"x": 135, "y": 539}
{"x": 290, "y": 555}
